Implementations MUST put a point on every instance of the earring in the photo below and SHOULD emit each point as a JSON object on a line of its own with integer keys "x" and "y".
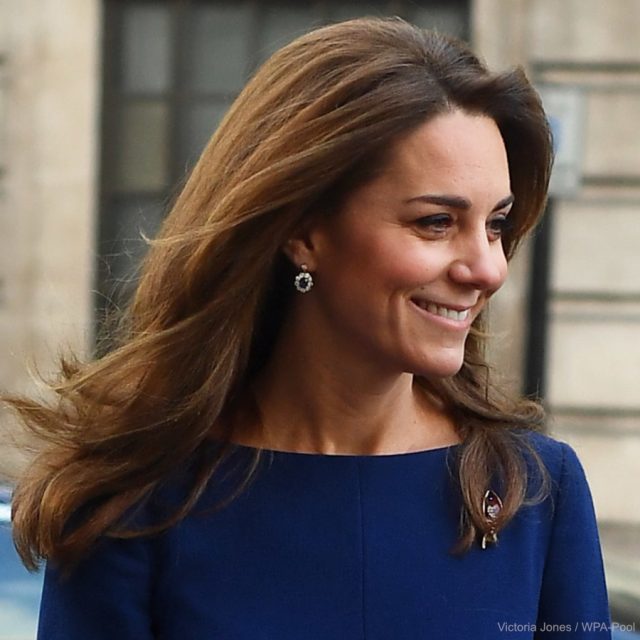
{"x": 303, "y": 281}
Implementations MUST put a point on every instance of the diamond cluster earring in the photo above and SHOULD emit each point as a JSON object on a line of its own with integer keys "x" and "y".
{"x": 303, "y": 281}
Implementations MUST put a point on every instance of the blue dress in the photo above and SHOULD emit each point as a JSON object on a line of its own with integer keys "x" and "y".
{"x": 345, "y": 547}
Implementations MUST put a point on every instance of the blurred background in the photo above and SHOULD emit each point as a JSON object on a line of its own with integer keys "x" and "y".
{"x": 105, "y": 105}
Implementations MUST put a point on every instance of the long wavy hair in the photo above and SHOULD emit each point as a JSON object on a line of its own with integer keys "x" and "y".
{"x": 315, "y": 122}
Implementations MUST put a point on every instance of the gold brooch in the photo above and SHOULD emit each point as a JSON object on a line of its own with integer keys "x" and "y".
{"x": 491, "y": 507}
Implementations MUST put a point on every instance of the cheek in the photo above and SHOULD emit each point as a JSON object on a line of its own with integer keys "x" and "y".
{"x": 404, "y": 261}
{"x": 372, "y": 258}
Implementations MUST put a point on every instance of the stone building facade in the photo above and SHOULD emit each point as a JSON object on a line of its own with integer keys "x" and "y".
{"x": 49, "y": 97}
{"x": 593, "y": 366}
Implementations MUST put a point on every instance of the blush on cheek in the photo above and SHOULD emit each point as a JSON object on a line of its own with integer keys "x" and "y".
{"x": 403, "y": 264}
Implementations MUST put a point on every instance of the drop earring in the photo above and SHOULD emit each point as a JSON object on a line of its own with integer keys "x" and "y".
{"x": 303, "y": 281}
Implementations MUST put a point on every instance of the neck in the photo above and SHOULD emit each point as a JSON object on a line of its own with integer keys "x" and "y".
{"x": 313, "y": 398}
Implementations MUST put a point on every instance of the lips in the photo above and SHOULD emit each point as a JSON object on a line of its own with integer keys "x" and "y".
{"x": 459, "y": 313}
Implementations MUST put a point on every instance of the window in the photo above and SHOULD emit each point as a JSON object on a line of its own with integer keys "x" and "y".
{"x": 171, "y": 71}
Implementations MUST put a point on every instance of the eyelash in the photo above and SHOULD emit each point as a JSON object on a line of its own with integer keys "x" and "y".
{"x": 444, "y": 221}
{"x": 434, "y": 221}
{"x": 504, "y": 223}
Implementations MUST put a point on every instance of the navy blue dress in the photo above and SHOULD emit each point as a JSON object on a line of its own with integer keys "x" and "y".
{"x": 345, "y": 547}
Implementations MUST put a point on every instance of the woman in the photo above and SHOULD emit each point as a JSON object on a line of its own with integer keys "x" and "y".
{"x": 296, "y": 435}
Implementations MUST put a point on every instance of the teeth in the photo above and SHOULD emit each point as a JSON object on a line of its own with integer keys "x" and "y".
{"x": 445, "y": 312}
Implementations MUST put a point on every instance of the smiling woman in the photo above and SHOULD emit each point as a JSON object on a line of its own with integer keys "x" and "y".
{"x": 296, "y": 435}
{"x": 416, "y": 253}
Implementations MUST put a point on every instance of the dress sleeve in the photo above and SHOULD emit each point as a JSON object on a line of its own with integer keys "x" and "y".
{"x": 108, "y": 595}
{"x": 573, "y": 601}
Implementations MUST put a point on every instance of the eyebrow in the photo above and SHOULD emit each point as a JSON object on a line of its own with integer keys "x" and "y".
{"x": 458, "y": 202}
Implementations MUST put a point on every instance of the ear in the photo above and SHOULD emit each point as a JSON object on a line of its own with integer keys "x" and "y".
{"x": 302, "y": 248}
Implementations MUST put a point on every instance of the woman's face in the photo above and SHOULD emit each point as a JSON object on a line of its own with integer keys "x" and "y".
{"x": 403, "y": 270}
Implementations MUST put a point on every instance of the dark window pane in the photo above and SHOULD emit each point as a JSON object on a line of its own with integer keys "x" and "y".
{"x": 283, "y": 22}
{"x": 347, "y": 10}
{"x": 125, "y": 223}
{"x": 141, "y": 151}
{"x": 218, "y": 48}
{"x": 146, "y": 41}
{"x": 202, "y": 120}
{"x": 450, "y": 18}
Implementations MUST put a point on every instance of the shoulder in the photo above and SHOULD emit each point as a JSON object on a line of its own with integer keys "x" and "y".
{"x": 566, "y": 476}
{"x": 554, "y": 453}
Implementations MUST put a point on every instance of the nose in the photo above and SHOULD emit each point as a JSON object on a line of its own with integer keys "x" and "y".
{"x": 480, "y": 263}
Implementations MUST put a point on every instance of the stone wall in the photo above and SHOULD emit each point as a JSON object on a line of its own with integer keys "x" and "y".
{"x": 49, "y": 130}
{"x": 594, "y": 347}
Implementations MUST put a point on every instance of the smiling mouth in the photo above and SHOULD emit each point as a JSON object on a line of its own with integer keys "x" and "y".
{"x": 444, "y": 312}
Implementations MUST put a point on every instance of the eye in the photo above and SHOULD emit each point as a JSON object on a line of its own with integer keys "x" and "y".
{"x": 437, "y": 223}
{"x": 498, "y": 225}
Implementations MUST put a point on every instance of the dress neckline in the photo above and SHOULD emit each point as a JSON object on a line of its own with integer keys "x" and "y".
{"x": 346, "y": 456}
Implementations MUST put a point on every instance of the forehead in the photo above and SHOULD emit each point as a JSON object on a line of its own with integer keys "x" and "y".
{"x": 454, "y": 149}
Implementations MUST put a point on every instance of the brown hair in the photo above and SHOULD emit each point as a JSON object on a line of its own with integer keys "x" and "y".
{"x": 311, "y": 125}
